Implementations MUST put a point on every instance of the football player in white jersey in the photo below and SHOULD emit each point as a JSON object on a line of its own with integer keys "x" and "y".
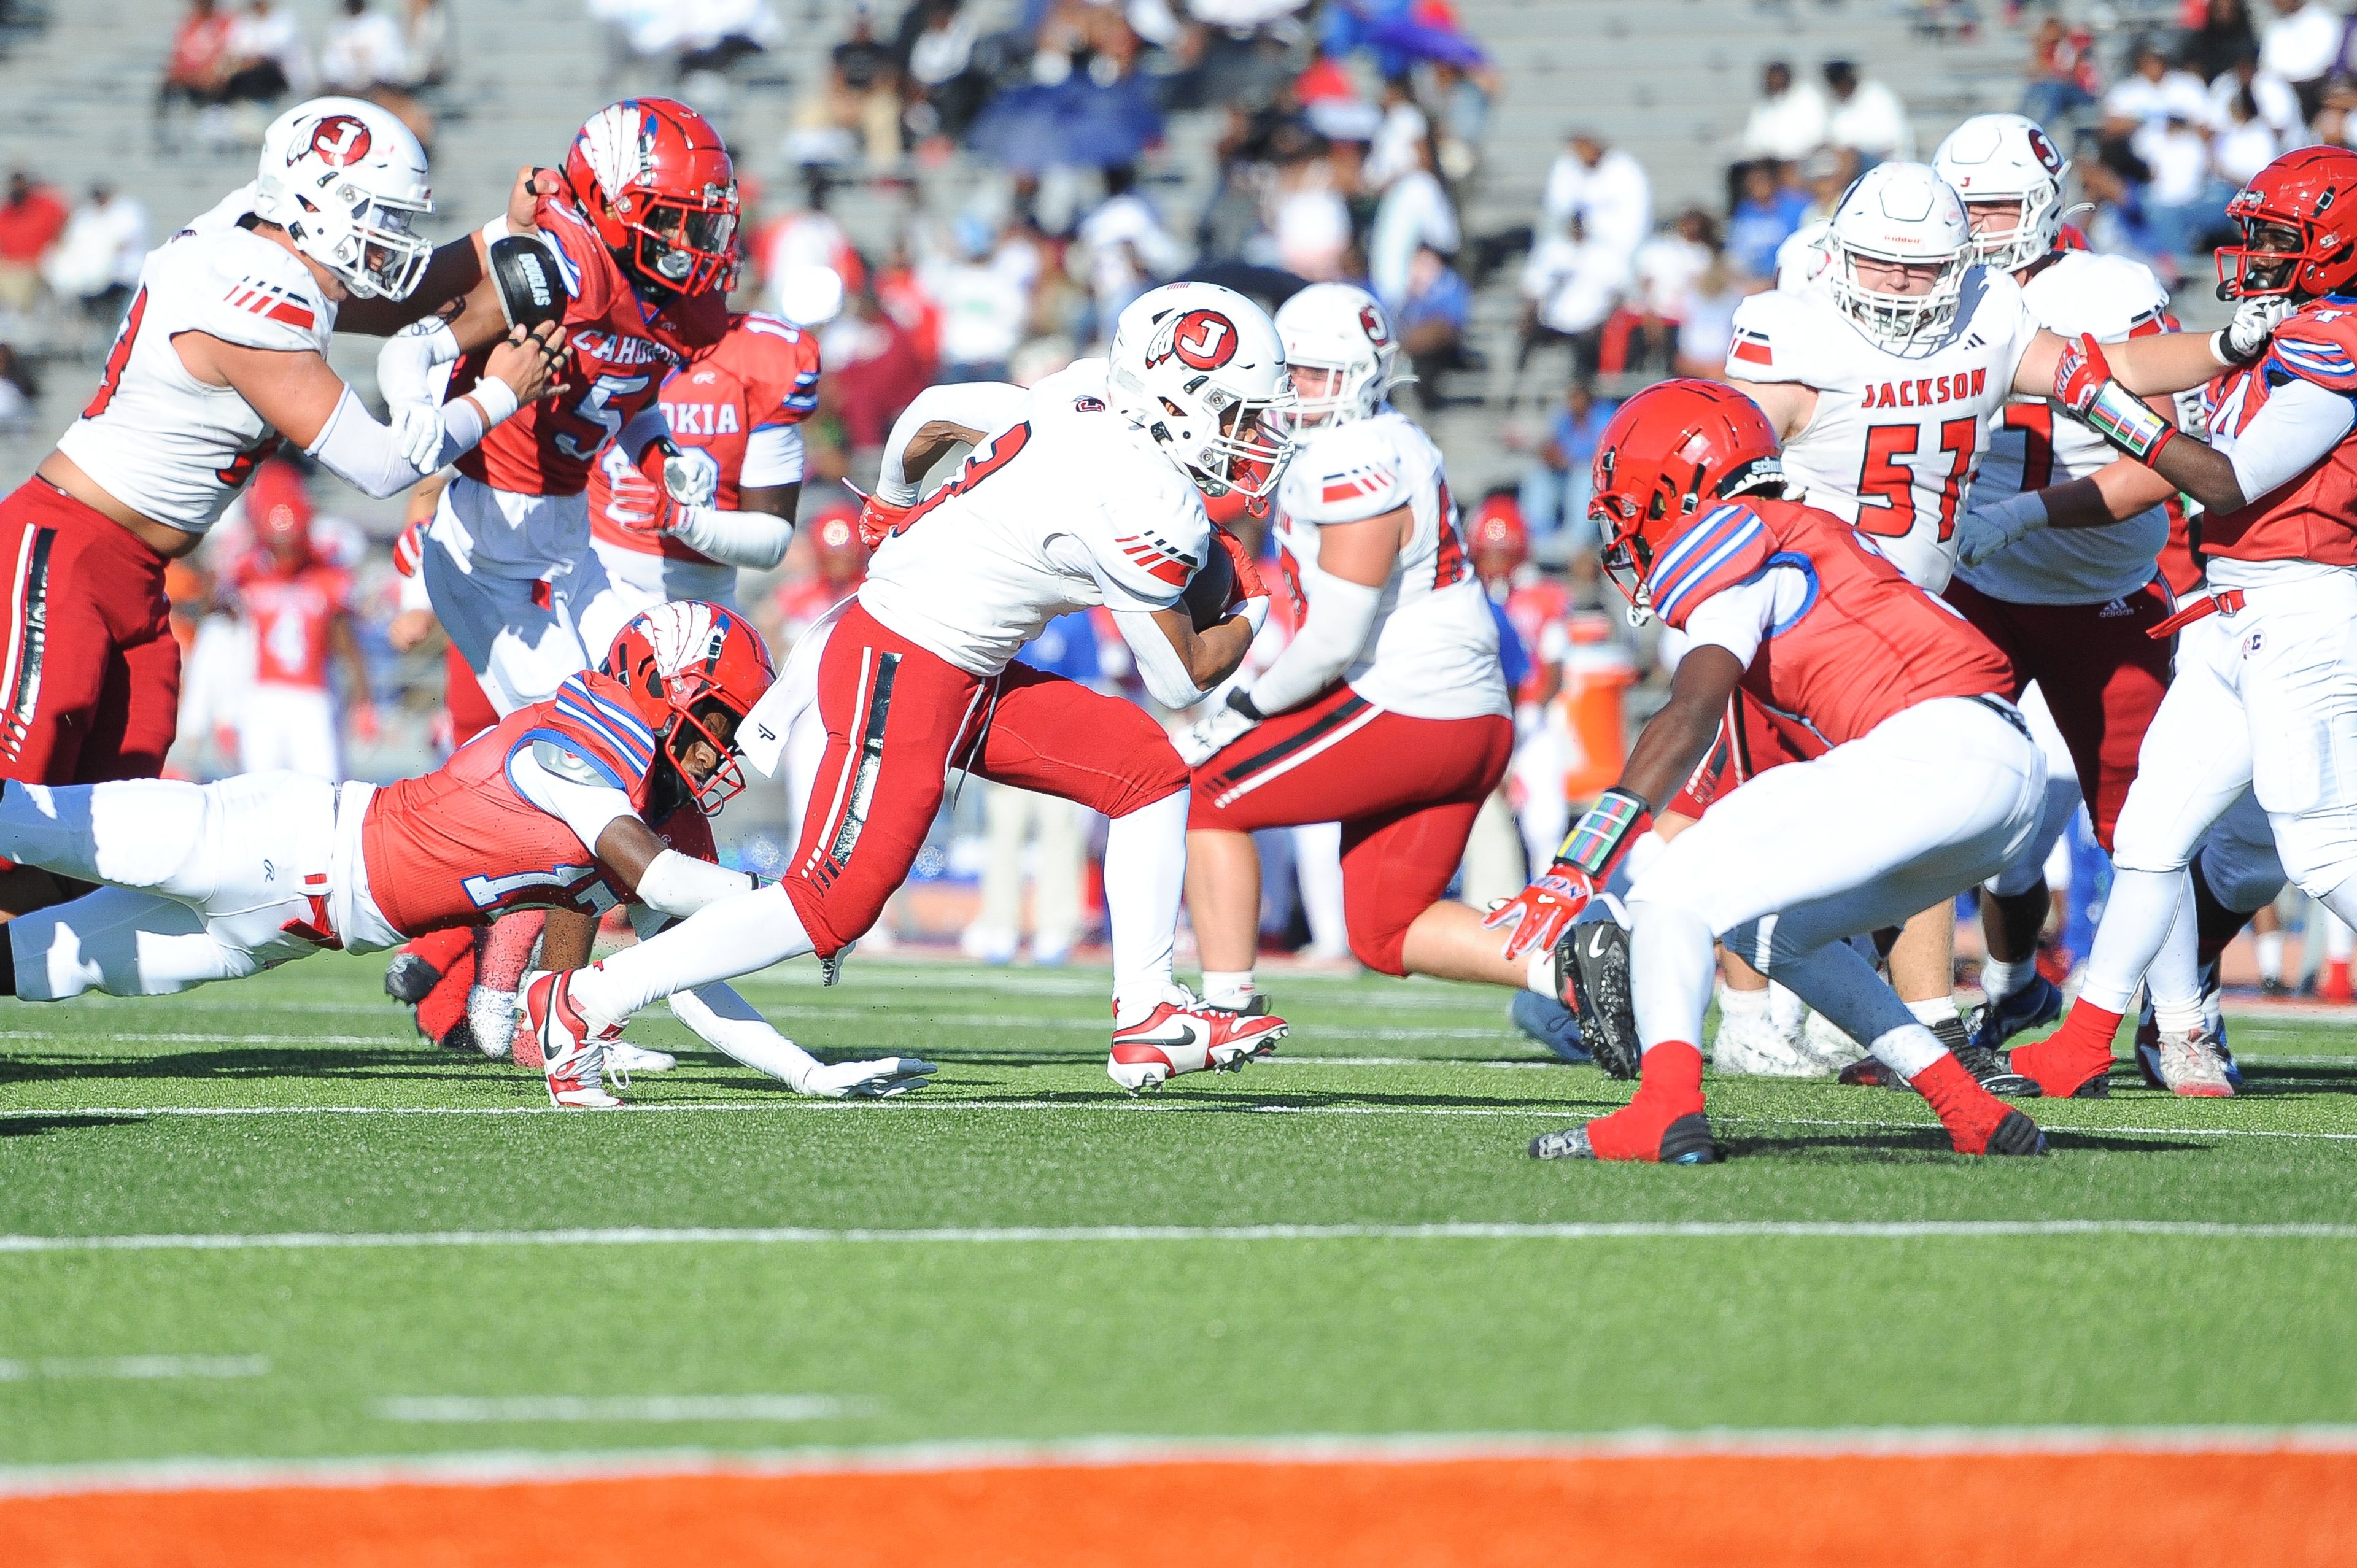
{"x": 1387, "y": 711}
{"x": 1885, "y": 378}
{"x": 221, "y": 357}
{"x": 2058, "y": 552}
{"x": 1088, "y": 489}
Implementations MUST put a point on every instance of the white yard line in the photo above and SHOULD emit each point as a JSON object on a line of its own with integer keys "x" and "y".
{"x": 131, "y": 1369}
{"x": 997, "y": 1235}
{"x": 509, "y": 1467}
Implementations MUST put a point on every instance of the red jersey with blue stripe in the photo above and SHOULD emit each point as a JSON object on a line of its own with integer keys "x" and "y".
{"x": 1862, "y": 643}
{"x": 2314, "y": 517}
{"x": 461, "y": 847}
{"x": 618, "y": 349}
{"x": 762, "y": 375}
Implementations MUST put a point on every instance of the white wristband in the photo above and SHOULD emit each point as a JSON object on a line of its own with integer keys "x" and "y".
{"x": 495, "y": 398}
{"x": 497, "y": 229}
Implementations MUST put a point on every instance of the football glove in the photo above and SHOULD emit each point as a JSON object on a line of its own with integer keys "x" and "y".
{"x": 880, "y": 520}
{"x": 1211, "y": 733}
{"x": 883, "y": 1079}
{"x": 1985, "y": 531}
{"x": 2084, "y": 387}
{"x": 2246, "y": 337}
{"x": 417, "y": 431}
{"x": 1536, "y": 918}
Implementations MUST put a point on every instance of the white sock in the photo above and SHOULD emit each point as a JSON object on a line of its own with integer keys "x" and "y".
{"x": 1786, "y": 1008}
{"x": 2270, "y": 945}
{"x": 1540, "y": 975}
{"x": 1907, "y": 1051}
{"x": 1671, "y": 967}
{"x": 1227, "y": 987}
{"x": 734, "y": 936}
{"x": 1144, "y": 872}
{"x": 1734, "y": 1003}
{"x": 1937, "y": 1010}
{"x": 2001, "y": 977}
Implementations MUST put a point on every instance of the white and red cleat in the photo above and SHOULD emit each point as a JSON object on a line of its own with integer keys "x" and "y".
{"x": 1183, "y": 1034}
{"x": 573, "y": 1054}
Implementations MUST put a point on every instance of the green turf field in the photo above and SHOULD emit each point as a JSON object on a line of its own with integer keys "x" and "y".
{"x": 1347, "y": 1240}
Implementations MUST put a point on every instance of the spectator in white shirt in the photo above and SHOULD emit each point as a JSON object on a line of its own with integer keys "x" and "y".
{"x": 2300, "y": 45}
{"x": 1867, "y": 117}
{"x": 1570, "y": 287}
{"x": 1668, "y": 267}
{"x": 1402, "y": 129}
{"x": 1414, "y": 213}
{"x": 96, "y": 260}
{"x": 2176, "y": 211}
{"x": 1605, "y": 188}
{"x": 2146, "y": 98}
{"x": 2277, "y": 104}
{"x": 266, "y": 55}
{"x": 1789, "y": 121}
{"x": 363, "y": 52}
{"x": 984, "y": 298}
{"x": 2246, "y": 144}
{"x": 1129, "y": 248}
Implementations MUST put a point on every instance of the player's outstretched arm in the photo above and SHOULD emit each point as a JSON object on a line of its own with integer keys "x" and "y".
{"x": 456, "y": 271}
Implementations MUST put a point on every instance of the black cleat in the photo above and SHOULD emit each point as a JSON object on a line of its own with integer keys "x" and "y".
{"x": 1591, "y": 975}
{"x": 461, "y": 1038}
{"x": 1871, "y": 1072}
{"x": 1685, "y": 1141}
{"x": 2017, "y": 1135}
{"x": 408, "y": 979}
{"x": 1996, "y": 1074}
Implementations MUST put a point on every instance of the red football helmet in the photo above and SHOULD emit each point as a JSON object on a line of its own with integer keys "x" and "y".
{"x": 1671, "y": 448}
{"x": 1499, "y": 540}
{"x": 2299, "y": 228}
{"x": 280, "y": 511}
{"x": 834, "y": 534}
{"x": 656, "y": 180}
{"x": 679, "y": 657}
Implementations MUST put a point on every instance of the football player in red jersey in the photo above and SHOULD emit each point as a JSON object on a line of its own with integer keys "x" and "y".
{"x": 221, "y": 357}
{"x": 1787, "y": 604}
{"x": 597, "y": 795}
{"x": 300, "y": 606}
{"x": 2264, "y": 697}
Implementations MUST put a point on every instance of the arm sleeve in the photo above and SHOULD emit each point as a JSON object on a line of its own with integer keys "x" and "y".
{"x": 2299, "y": 425}
{"x": 567, "y": 786}
{"x": 680, "y": 885}
{"x": 1332, "y": 634}
{"x": 1741, "y": 618}
{"x": 406, "y": 365}
{"x": 645, "y": 428}
{"x": 1159, "y": 664}
{"x": 757, "y": 539}
{"x": 773, "y": 456}
{"x": 368, "y": 456}
{"x": 978, "y": 405}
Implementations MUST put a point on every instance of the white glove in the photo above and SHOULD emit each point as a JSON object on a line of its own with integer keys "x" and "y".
{"x": 2244, "y": 339}
{"x": 1985, "y": 531}
{"x": 417, "y": 430}
{"x": 1209, "y": 735}
{"x": 881, "y": 1079}
{"x": 692, "y": 476}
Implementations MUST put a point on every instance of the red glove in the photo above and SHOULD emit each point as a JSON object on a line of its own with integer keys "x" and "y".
{"x": 1247, "y": 575}
{"x": 2080, "y": 373}
{"x": 409, "y": 549}
{"x": 1541, "y": 913}
{"x": 880, "y": 520}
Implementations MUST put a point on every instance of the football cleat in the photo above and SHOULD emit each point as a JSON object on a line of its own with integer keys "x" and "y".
{"x": 623, "y": 1058}
{"x": 2189, "y": 1064}
{"x": 2017, "y": 1135}
{"x": 1872, "y": 1072}
{"x": 2033, "y": 1007}
{"x": 1995, "y": 1074}
{"x": 1685, "y": 1141}
{"x": 1551, "y": 1024}
{"x": 409, "y": 979}
{"x": 1752, "y": 1044}
{"x": 1182, "y": 1035}
{"x": 883, "y": 1079}
{"x": 573, "y": 1054}
{"x": 491, "y": 1015}
{"x": 1833, "y": 1049}
{"x": 2213, "y": 1019}
{"x": 1591, "y": 976}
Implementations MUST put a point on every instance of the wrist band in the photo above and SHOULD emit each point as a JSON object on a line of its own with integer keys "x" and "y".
{"x": 2127, "y": 421}
{"x": 1604, "y": 832}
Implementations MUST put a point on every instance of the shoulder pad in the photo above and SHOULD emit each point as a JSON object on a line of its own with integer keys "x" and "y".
{"x": 259, "y": 296}
{"x": 570, "y": 764}
{"x": 1159, "y": 541}
{"x": 1774, "y": 334}
{"x": 2111, "y": 296}
{"x": 2319, "y": 344}
{"x": 1728, "y": 544}
{"x": 579, "y": 254}
{"x": 1348, "y": 473}
{"x": 779, "y": 363}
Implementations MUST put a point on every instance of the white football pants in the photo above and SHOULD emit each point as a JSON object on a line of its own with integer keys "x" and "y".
{"x": 288, "y": 728}
{"x": 504, "y": 574}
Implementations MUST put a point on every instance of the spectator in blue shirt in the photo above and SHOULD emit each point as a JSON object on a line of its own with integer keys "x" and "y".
{"x": 1767, "y": 216}
{"x": 1432, "y": 322}
{"x": 1554, "y": 490}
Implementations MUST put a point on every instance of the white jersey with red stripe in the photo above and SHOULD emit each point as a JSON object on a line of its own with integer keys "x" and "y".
{"x": 1895, "y": 437}
{"x": 2115, "y": 299}
{"x": 163, "y": 443}
{"x": 1065, "y": 508}
{"x": 1432, "y": 652}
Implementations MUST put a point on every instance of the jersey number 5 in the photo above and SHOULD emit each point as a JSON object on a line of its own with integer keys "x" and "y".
{"x": 1883, "y": 476}
{"x": 597, "y": 409}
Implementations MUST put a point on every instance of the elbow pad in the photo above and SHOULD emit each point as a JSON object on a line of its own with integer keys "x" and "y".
{"x": 680, "y": 885}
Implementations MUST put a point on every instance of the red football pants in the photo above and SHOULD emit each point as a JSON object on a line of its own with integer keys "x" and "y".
{"x": 899, "y": 716}
{"x": 1405, "y": 790}
{"x": 89, "y": 674}
{"x": 2102, "y": 679}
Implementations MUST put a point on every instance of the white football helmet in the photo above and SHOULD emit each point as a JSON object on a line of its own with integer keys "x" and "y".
{"x": 1801, "y": 258}
{"x": 1903, "y": 213}
{"x": 345, "y": 179}
{"x": 1336, "y": 327}
{"x": 2005, "y": 157}
{"x": 1200, "y": 371}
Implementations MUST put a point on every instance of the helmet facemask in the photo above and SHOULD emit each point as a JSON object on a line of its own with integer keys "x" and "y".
{"x": 2034, "y": 232}
{"x": 693, "y": 717}
{"x": 682, "y": 244}
{"x": 1903, "y": 323}
{"x": 2267, "y": 262}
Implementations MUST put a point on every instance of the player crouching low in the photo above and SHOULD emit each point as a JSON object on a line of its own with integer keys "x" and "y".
{"x": 1931, "y": 783}
{"x": 595, "y": 796}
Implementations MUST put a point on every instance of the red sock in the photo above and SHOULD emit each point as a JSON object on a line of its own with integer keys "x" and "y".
{"x": 505, "y": 951}
{"x": 1968, "y": 1111}
{"x": 441, "y": 949}
{"x": 445, "y": 1006}
{"x": 2078, "y": 1051}
{"x": 1669, "y": 1086}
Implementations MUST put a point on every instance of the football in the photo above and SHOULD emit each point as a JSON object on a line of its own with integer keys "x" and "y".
{"x": 1207, "y": 595}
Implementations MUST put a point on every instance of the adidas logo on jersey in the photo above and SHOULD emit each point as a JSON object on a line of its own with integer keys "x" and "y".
{"x": 1927, "y": 393}
{"x": 2112, "y": 611}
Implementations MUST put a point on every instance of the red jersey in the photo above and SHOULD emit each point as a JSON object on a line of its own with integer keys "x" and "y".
{"x": 1540, "y": 610}
{"x": 763, "y": 374}
{"x": 291, "y": 613}
{"x": 1867, "y": 644}
{"x": 2314, "y": 517}
{"x": 618, "y": 351}
{"x": 461, "y": 847}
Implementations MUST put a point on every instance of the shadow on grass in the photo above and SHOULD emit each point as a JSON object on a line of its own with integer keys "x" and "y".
{"x": 421, "y": 1062}
{"x": 33, "y": 1126}
{"x": 1884, "y": 1145}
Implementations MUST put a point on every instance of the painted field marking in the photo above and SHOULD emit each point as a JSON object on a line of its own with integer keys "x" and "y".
{"x": 989, "y": 1235}
{"x": 131, "y": 1369}
{"x": 642, "y": 1409}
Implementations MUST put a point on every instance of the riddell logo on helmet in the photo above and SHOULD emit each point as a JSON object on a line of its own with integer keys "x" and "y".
{"x": 1202, "y": 339}
{"x": 341, "y": 140}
